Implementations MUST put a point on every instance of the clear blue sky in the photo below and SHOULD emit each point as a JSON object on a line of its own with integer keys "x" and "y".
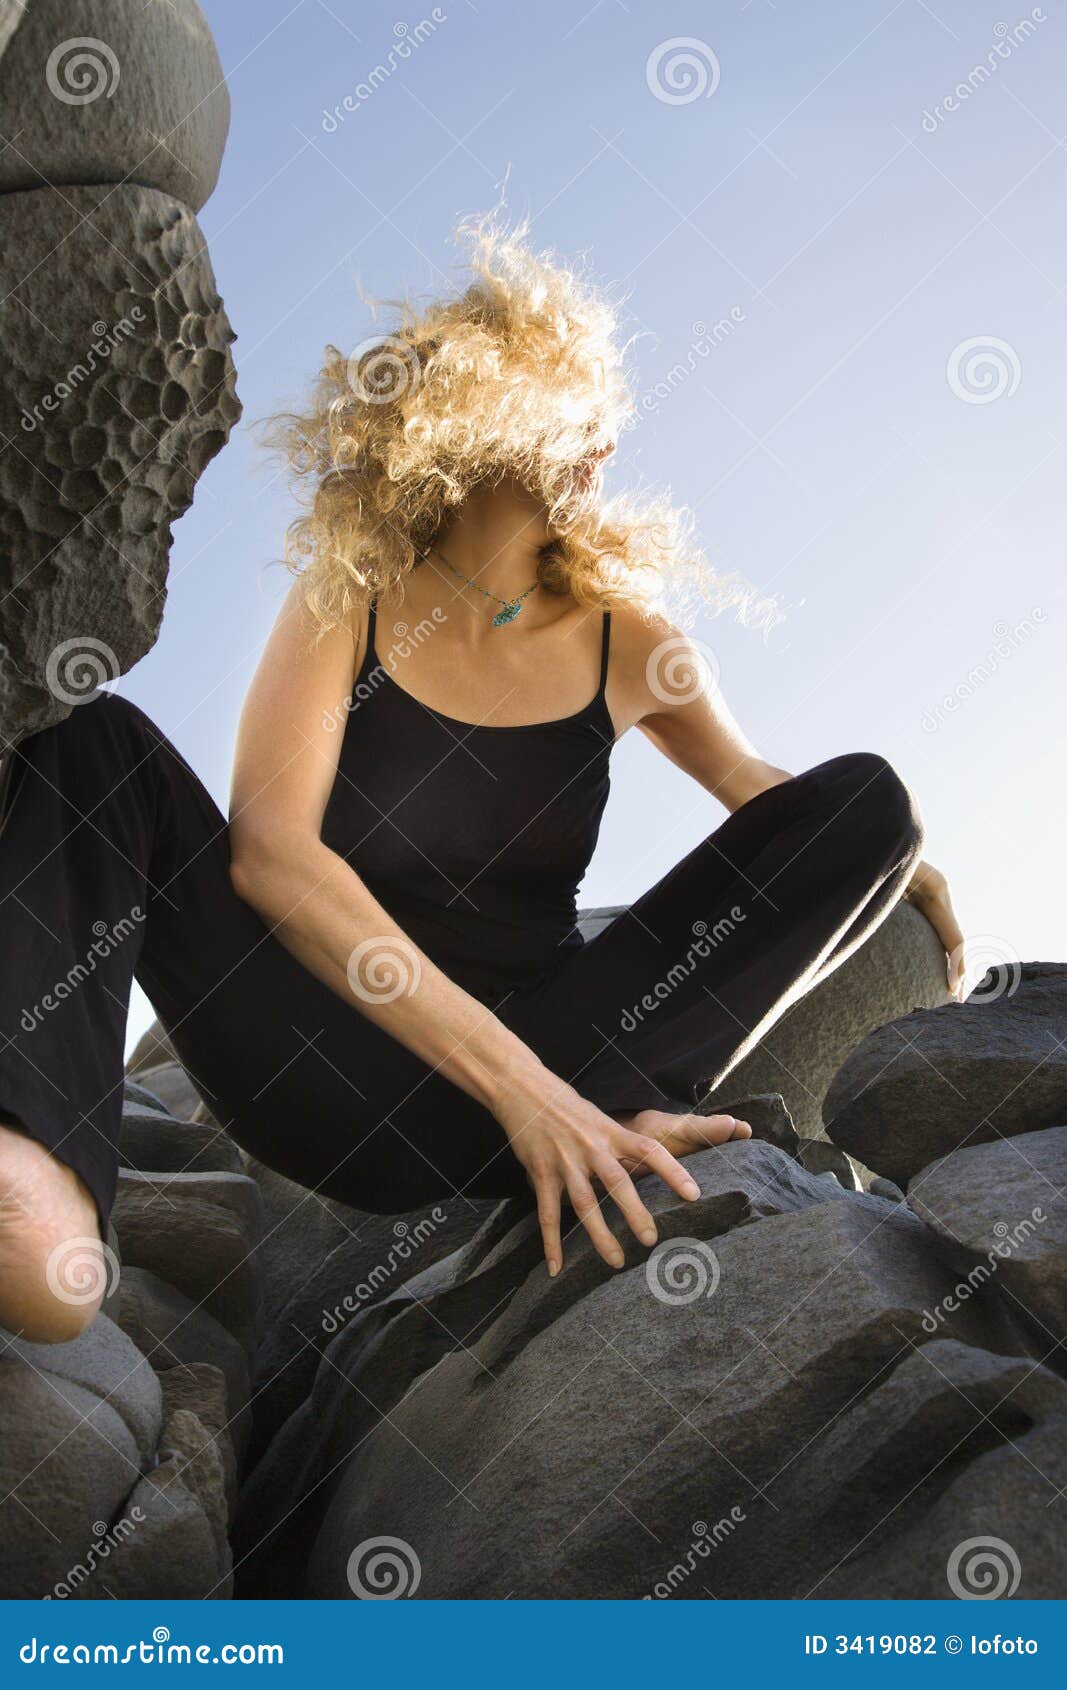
{"x": 842, "y": 441}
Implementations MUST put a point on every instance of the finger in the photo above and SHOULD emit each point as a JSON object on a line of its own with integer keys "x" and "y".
{"x": 588, "y": 1211}
{"x": 548, "y": 1187}
{"x": 622, "y": 1191}
{"x": 658, "y": 1160}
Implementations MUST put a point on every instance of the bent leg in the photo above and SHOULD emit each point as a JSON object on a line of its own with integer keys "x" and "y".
{"x": 657, "y": 1009}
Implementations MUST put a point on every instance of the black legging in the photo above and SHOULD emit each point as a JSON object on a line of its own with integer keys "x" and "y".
{"x": 114, "y": 863}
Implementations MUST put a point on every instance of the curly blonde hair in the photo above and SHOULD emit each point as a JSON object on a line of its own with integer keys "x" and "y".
{"x": 521, "y": 374}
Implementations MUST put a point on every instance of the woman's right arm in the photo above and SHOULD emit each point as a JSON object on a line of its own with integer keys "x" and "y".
{"x": 320, "y": 909}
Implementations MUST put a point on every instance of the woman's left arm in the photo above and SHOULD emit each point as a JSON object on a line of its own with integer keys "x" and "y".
{"x": 663, "y": 684}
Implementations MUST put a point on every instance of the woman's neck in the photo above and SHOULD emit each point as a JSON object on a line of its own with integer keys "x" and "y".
{"x": 495, "y": 539}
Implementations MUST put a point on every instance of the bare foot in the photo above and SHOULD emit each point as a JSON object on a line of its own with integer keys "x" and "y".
{"x": 684, "y": 1134}
{"x": 54, "y": 1268}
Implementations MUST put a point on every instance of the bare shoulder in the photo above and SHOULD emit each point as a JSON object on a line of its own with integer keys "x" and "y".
{"x": 642, "y": 646}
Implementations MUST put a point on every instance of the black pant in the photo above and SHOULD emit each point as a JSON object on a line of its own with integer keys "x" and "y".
{"x": 114, "y": 863}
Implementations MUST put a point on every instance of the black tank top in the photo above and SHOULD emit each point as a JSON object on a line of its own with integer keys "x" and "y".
{"x": 474, "y": 837}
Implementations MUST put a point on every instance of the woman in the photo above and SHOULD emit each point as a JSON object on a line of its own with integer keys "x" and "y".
{"x": 372, "y": 972}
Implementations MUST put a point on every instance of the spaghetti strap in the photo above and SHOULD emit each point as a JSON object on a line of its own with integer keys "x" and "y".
{"x": 605, "y": 649}
{"x": 370, "y": 655}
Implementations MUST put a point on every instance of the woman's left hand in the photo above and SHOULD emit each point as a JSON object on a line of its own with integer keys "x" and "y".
{"x": 928, "y": 891}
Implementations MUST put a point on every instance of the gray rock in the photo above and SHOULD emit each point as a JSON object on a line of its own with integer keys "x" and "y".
{"x": 103, "y": 1362}
{"x": 880, "y": 1187}
{"x": 172, "y": 1332}
{"x": 115, "y": 413}
{"x": 901, "y": 967}
{"x": 166, "y": 1543}
{"x": 300, "y": 1229}
{"x": 942, "y": 1079}
{"x": 80, "y": 1423}
{"x": 374, "y": 1260}
{"x": 201, "y": 1391}
{"x": 552, "y": 1450}
{"x": 1004, "y": 1204}
{"x": 143, "y": 101}
{"x": 199, "y": 1232}
{"x": 819, "y": 1157}
{"x": 509, "y": 1428}
{"x": 768, "y": 1117}
{"x": 153, "y": 1140}
{"x": 152, "y": 1050}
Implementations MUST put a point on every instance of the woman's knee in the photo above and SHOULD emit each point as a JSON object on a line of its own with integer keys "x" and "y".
{"x": 54, "y": 1266}
{"x": 871, "y": 788}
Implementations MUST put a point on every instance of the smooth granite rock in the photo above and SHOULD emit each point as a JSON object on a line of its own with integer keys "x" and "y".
{"x": 92, "y": 91}
{"x": 946, "y": 1079}
{"x": 115, "y": 414}
{"x": 1006, "y": 1204}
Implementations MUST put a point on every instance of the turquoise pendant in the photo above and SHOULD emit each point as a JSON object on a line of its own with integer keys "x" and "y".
{"x": 508, "y": 614}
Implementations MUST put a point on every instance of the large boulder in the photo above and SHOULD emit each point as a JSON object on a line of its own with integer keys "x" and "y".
{"x": 112, "y": 416}
{"x": 517, "y": 1435}
{"x": 942, "y": 1079}
{"x": 80, "y": 1424}
{"x": 1003, "y": 1202}
{"x": 99, "y": 92}
{"x": 198, "y": 1232}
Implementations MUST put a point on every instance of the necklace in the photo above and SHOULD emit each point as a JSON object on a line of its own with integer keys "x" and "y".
{"x": 510, "y": 608}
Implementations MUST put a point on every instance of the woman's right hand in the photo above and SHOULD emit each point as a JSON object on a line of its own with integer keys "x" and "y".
{"x": 565, "y": 1144}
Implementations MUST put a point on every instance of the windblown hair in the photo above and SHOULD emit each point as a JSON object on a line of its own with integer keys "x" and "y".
{"x": 521, "y": 374}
